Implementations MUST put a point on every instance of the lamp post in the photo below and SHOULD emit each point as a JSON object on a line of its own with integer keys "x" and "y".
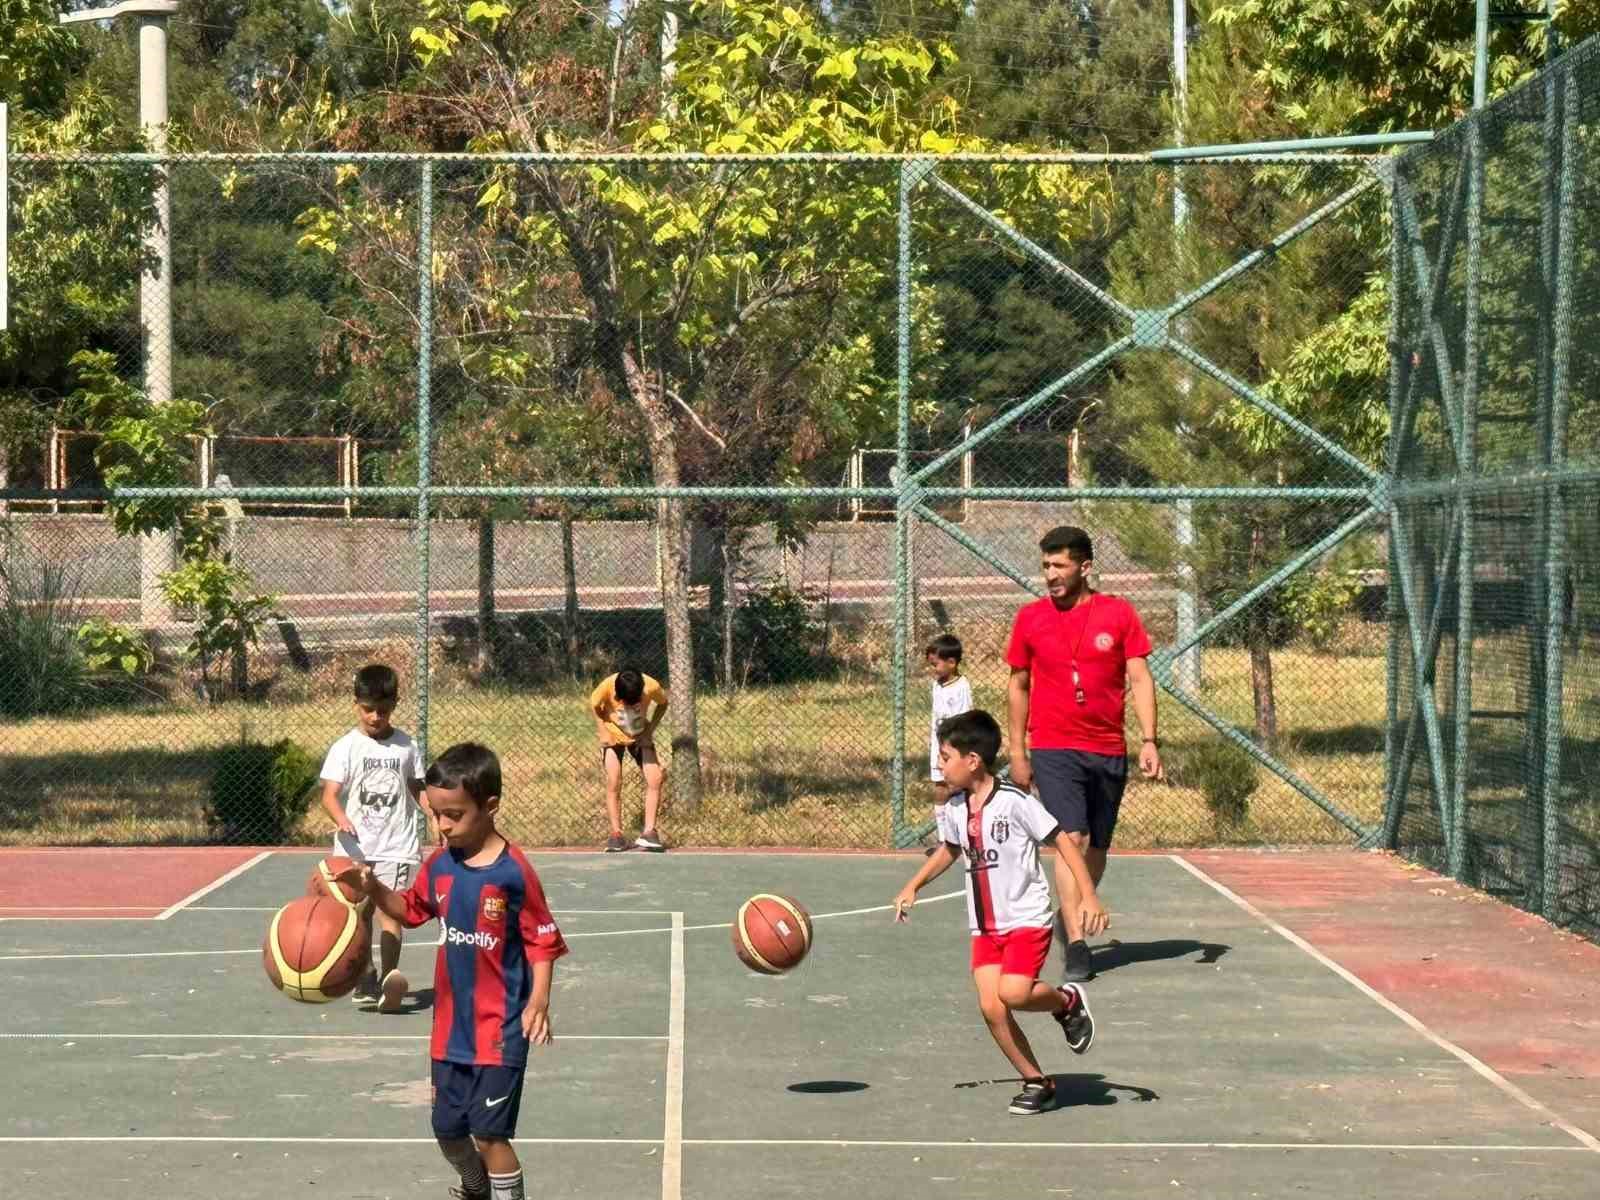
{"x": 157, "y": 552}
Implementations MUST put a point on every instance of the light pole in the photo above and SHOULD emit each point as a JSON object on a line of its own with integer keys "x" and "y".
{"x": 156, "y": 551}
{"x": 1187, "y": 667}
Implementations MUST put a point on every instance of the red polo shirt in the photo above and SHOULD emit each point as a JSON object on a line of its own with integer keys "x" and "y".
{"x": 1101, "y": 634}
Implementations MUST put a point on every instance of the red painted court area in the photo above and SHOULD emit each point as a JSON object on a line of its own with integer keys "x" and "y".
{"x": 98, "y": 883}
{"x": 1509, "y": 988}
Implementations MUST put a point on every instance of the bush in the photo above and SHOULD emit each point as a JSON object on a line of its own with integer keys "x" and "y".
{"x": 260, "y": 793}
{"x": 114, "y": 649}
{"x": 42, "y": 667}
{"x": 1227, "y": 776}
{"x": 777, "y": 637}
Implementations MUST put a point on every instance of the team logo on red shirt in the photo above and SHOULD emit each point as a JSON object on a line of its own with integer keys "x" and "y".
{"x": 1102, "y": 641}
{"x": 494, "y": 908}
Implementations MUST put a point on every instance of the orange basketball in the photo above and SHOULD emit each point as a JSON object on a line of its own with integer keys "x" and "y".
{"x": 324, "y": 881}
{"x": 771, "y": 933}
{"x": 317, "y": 948}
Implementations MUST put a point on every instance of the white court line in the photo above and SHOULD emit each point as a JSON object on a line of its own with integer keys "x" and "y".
{"x": 28, "y": 908}
{"x": 212, "y": 886}
{"x": 1587, "y": 1139}
{"x": 672, "y": 1129}
{"x": 822, "y": 1143}
{"x": 414, "y": 945}
{"x": 295, "y": 1037}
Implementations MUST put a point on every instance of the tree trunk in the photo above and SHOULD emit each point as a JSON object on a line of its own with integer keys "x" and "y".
{"x": 675, "y": 548}
{"x": 487, "y": 628}
{"x": 570, "y": 641}
{"x": 241, "y": 668}
{"x": 732, "y": 556}
{"x": 1260, "y": 639}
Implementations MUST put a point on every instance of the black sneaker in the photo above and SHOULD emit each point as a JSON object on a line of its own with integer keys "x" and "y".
{"x": 1076, "y": 1021}
{"x": 367, "y": 990}
{"x": 461, "y": 1193}
{"x": 616, "y": 843}
{"x": 1036, "y": 1096}
{"x": 1080, "y": 963}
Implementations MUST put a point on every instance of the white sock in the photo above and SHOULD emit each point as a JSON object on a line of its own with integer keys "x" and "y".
{"x": 506, "y": 1187}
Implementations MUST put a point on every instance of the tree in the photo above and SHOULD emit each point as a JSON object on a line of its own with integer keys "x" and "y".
{"x": 1294, "y": 330}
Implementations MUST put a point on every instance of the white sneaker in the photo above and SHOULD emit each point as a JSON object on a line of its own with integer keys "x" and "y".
{"x": 395, "y": 986}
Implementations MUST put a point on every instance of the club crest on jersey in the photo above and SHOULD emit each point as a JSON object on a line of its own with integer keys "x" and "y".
{"x": 1102, "y": 641}
{"x": 494, "y": 908}
{"x": 1000, "y": 831}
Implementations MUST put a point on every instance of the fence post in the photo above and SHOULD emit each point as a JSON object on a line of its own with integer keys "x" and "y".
{"x": 1394, "y": 800}
{"x": 424, "y": 437}
{"x": 1561, "y": 266}
{"x": 903, "y": 515}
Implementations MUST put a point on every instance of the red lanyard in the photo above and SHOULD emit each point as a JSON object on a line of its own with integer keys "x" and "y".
{"x": 1077, "y": 682}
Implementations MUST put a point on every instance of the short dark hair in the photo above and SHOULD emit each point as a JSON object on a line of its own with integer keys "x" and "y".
{"x": 1069, "y": 538}
{"x": 629, "y": 686}
{"x": 473, "y": 768}
{"x": 376, "y": 683}
{"x": 946, "y": 646}
{"x": 972, "y": 732}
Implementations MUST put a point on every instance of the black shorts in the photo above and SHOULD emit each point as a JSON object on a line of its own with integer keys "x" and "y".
{"x": 481, "y": 1101}
{"x": 1082, "y": 791}
{"x": 630, "y": 750}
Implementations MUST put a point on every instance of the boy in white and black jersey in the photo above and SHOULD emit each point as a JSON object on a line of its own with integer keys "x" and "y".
{"x": 998, "y": 829}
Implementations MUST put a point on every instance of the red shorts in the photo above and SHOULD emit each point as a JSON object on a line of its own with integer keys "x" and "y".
{"x": 1019, "y": 952}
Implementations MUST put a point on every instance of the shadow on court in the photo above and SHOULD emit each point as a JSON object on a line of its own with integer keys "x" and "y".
{"x": 1124, "y": 954}
{"x": 1076, "y": 1090}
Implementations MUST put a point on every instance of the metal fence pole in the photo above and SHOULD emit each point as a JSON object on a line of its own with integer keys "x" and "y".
{"x": 903, "y": 515}
{"x": 1394, "y": 800}
{"x": 424, "y": 438}
{"x": 1562, "y": 265}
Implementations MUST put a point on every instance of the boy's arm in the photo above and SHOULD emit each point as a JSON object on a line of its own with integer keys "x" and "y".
{"x": 536, "y": 1017}
{"x": 933, "y": 866}
{"x": 659, "y": 700}
{"x": 411, "y": 907}
{"x": 1070, "y": 866}
{"x": 330, "y": 801}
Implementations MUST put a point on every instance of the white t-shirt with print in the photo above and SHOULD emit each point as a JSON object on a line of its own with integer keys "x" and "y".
{"x": 949, "y": 700}
{"x": 373, "y": 778}
{"x": 1006, "y": 888}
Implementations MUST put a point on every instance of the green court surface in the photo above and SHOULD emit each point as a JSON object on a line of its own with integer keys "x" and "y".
{"x": 152, "y": 1057}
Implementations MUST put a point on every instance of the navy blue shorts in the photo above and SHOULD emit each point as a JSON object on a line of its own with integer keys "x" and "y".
{"x": 1082, "y": 791}
{"x": 482, "y": 1101}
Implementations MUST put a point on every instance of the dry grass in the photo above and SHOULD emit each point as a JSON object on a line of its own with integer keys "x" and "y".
{"x": 796, "y": 766}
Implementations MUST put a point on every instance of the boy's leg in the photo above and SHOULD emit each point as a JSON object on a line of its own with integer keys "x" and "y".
{"x": 392, "y": 985}
{"x": 1003, "y": 1027}
{"x": 650, "y": 768}
{"x": 611, "y": 768}
{"x": 941, "y": 797}
{"x": 494, "y": 1124}
{"x": 504, "y": 1168}
{"x": 452, "y": 1105}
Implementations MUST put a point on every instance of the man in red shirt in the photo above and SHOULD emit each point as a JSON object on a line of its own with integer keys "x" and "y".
{"x": 1072, "y": 656}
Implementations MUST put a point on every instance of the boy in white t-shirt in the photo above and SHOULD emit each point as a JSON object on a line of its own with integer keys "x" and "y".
{"x": 372, "y": 788}
{"x": 998, "y": 829}
{"x": 952, "y": 696}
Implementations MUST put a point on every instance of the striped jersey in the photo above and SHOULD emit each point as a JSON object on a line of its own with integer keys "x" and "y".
{"x": 494, "y": 925}
{"x": 1006, "y": 888}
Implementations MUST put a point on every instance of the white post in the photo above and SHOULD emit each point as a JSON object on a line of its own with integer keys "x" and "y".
{"x": 1187, "y": 666}
{"x": 157, "y": 552}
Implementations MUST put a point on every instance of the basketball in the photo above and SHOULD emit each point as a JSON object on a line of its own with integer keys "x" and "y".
{"x": 324, "y": 881}
{"x": 317, "y": 948}
{"x": 771, "y": 934}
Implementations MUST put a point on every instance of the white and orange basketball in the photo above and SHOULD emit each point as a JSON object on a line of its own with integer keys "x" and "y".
{"x": 324, "y": 881}
{"x": 317, "y": 948}
{"x": 771, "y": 933}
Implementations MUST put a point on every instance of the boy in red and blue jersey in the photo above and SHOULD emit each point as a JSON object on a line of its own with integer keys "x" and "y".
{"x": 493, "y": 973}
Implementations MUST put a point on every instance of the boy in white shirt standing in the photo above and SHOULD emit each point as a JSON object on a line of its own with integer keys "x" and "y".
{"x": 952, "y": 696}
{"x": 372, "y": 788}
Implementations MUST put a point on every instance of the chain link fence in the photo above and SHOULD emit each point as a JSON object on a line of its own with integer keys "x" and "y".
{"x": 1495, "y": 734}
{"x": 758, "y": 427}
